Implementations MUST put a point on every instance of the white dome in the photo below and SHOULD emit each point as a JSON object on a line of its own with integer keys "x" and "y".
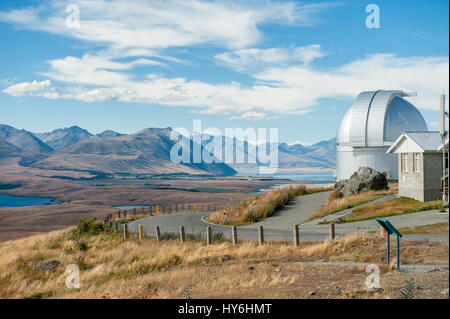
{"x": 377, "y": 118}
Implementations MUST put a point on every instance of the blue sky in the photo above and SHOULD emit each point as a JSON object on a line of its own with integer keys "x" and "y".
{"x": 296, "y": 66}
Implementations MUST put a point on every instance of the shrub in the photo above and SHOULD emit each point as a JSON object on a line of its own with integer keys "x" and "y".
{"x": 89, "y": 227}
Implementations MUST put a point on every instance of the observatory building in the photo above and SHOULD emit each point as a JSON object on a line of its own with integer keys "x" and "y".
{"x": 368, "y": 128}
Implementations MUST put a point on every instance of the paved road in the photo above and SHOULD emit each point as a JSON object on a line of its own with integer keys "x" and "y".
{"x": 279, "y": 226}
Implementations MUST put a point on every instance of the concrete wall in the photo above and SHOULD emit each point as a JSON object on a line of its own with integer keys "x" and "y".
{"x": 349, "y": 159}
{"x": 422, "y": 185}
{"x": 433, "y": 174}
{"x": 411, "y": 184}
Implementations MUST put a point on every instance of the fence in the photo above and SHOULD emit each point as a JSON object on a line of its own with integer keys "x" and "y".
{"x": 210, "y": 235}
{"x": 157, "y": 210}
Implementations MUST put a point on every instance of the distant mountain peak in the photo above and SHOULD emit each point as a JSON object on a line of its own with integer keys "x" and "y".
{"x": 63, "y": 137}
{"x": 109, "y": 134}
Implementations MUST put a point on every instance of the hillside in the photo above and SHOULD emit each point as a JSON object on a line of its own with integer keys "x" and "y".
{"x": 8, "y": 150}
{"x": 61, "y": 138}
{"x": 23, "y": 140}
{"x": 147, "y": 151}
{"x": 111, "y": 267}
{"x": 108, "y": 134}
{"x": 294, "y": 156}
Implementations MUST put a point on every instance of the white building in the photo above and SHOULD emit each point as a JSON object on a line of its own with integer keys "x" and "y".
{"x": 368, "y": 128}
{"x": 419, "y": 165}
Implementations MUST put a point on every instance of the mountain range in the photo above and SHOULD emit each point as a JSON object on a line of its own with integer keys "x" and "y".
{"x": 146, "y": 151}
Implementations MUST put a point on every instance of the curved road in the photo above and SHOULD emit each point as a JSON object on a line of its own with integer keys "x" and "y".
{"x": 279, "y": 226}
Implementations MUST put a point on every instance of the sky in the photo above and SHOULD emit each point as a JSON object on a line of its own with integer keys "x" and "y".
{"x": 292, "y": 65}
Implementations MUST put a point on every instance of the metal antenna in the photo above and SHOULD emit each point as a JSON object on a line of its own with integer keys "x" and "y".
{"x": 444, "y": 134}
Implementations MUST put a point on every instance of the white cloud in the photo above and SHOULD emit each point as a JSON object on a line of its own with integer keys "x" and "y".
{"x": 26, "y": 88}
{"x": 163, "y": 24}
{"x": 250, "y": 116}
{"x": 254, "y": 59}
{"x": 136, "y": 33}
{"x": 288, "y": 90}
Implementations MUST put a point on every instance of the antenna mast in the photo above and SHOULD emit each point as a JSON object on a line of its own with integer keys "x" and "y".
{"x": 444, "y": 134}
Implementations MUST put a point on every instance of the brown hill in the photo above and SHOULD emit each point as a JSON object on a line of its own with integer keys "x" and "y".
{"x": 147, "y": 151}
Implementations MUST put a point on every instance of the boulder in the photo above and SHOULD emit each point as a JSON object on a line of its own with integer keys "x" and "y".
{"x": 364, "y": 179}
{"x": 50, "y": 266}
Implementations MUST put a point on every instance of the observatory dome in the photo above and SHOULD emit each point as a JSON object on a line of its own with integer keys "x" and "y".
{"x": 370, "y": 126}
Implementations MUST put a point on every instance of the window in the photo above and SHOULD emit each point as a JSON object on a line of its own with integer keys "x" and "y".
{"x": 416, "y": 162}
{"x": 404, "y": 162}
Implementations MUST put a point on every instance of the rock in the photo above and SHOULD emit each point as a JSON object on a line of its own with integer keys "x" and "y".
{"x": 363, "y": 179}
{"x": 224, "y": 258}
{"x": 50, "y": 266}
{"x": 312, "y": 293}
{"x": 444, "y": 292}
{"x": 251, "y": 268}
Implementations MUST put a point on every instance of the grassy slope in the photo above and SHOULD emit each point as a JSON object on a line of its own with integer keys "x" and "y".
{"x": 261, "y": 205}
{"x": 398, "y": 206}
{"x": 114, "y": 268}
{"x": 334, "y": 205}
{"x": 438, "y": 228}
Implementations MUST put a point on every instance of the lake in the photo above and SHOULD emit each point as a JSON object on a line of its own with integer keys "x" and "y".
{"x": 311, "y": 179}
{"x": 20, "y": 201}
{"x": 131, "y": 207}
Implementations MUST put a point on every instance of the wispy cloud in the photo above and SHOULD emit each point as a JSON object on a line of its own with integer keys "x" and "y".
{"x": 163, "y": 24}
{"x": 27, "y": 88}
{"x": 283, "y": 90}
{"x": 137, "y": 34}
{"x": 257, "y": 59}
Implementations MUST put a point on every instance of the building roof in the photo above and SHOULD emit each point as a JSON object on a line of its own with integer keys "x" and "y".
{"x": 377, "y": 118}
{"x": 416, "y": 142}
{"x": 445, "y": 144}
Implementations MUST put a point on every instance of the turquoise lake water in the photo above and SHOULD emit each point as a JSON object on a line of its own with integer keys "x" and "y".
{"x": 19, "y": 201}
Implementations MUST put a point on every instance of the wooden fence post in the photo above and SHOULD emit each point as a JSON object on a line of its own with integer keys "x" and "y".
{"x": 234, "y": 235}
{"x": 296, "y": 236}
{"x": 125, "y": 231}
{"x": 158, "y": 233}
{"x": 208, "y": 235}
{"x": 332, "y": 231}
{"x": 182, "y": 235}
{"x": 261, "y": 235}
{"x": 141, "y": 232}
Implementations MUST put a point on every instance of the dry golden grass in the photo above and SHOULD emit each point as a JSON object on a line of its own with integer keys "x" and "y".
{"x": 392, "y": 207}
{"x": 438, "y": 228}
{"x": 336, "y": 204}
{"x": 114, "y": 268}
{"x": 262, "y": 205}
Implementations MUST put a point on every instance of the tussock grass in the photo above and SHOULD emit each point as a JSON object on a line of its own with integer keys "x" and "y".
{"x": 398, "y": 206}
{"x": 336, "y": 204}
{"x": 438, "y": 228}
{"x": 114, "y": 268}
{"x": 262, "y": 205}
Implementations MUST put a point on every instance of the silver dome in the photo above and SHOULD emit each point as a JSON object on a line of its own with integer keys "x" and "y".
{"x": 377, "y": 118}
{"x": 369, "y": 127}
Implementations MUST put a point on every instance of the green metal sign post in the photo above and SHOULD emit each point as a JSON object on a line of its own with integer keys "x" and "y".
{"x": 391, "y": 230}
